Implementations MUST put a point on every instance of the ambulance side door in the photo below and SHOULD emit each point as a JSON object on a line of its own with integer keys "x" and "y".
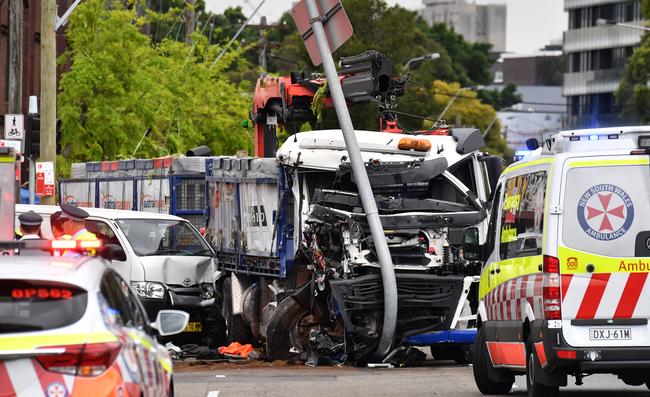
{"x": 488, "y": 274}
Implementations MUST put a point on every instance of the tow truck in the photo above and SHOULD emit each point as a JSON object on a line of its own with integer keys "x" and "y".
{"x": 298, "y": 269}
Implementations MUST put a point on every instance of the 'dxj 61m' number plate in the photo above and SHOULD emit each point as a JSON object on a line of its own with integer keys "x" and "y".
{"x": 610, "y": 333}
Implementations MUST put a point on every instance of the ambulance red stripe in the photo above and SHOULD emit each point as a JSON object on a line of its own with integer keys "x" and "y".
{"x": 631, "y": 294}
{"x": 593, "y": 295}
{"x": 6, "y": 389}
{"x": 566, "y": 282}
{"x": 50, "y": 381}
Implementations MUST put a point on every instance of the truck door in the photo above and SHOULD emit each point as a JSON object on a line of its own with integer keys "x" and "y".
{"x": 604, "y": 251}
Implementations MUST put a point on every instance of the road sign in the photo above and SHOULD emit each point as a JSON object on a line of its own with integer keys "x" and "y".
{"x": 14, "y": 126}
{"x": 17, "y": 145}
{"x": 44, "y": 178}
{"x": 338, "y": 28}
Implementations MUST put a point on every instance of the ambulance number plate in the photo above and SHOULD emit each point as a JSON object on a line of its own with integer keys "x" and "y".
{"x": 610, "y": 334}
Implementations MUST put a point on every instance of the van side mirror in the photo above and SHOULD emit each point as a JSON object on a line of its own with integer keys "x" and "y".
{"x": 471, "y": 246}
{"x": 170, "y": 322}
{"x": 113, "y": 252}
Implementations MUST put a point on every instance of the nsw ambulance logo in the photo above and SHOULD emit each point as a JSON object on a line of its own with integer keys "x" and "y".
{"x": 605, "y": 212}
{"x": 572, "y": 263}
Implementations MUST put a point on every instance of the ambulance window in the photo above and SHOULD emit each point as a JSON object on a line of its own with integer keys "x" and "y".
{"x": 605, "y": 212}
{"x": 493, "y": 221}
{"x": 522, "y": 215}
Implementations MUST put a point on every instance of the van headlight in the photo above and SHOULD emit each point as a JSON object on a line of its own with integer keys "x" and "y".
{"x": 146, "y": 289}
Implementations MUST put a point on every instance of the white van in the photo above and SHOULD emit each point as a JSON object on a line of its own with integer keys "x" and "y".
{"x": 166, "y": 261}
{"x": 564, "y": 290}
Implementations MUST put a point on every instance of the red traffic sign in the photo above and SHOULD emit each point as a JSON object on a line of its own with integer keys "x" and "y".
{"x": 338, "y": 28}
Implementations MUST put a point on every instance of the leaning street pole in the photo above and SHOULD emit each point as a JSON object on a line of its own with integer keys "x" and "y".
{"x": 48, "y": 87}
{"x": 363, "y": 183}
{"x": 14, "y": 83}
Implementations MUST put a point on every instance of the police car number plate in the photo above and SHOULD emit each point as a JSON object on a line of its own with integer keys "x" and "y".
{"x": 610, "y": 333}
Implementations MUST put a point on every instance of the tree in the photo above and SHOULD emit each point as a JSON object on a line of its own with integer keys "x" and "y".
{"x": 468, "y": 110}
{"x": 124, "y": 97}
{"x": 633, "y": 94}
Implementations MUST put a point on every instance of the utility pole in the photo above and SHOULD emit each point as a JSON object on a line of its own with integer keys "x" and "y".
{"x": 48, "y": 86}
{"x": 264, "y": 44}
{"x": 189, "y": 21}
{"x": 15, "y": 83}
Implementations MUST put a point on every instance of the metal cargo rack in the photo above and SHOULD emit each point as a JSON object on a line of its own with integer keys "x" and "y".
{"x": 168, "y": 185}
{"x": 250, "y": 219}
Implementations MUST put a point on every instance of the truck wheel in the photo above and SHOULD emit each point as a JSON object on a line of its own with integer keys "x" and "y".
{"x": 458, "y": 353}
{"x": 218, "y": 331}
{"x": 237, "y": 328}
{"x": 481, "y": 367}
{"x": 536, "y": 389}
{"x": 281, "y": 332}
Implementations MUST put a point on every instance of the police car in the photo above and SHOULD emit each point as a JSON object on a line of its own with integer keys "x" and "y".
{"x": 71, "y": 326}
{"x": 565, "y": 284}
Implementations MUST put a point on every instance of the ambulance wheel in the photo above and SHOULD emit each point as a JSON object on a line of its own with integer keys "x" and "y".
{"x": 237, "y": 328}
{"x": 482, "y": 366}
{"x": 536, "y": 389}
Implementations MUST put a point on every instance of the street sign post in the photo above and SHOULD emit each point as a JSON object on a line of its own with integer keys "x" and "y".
{"x": 331, "y": 17}
{"x": 44, "y": 178}
{"x": 338, "y": 28}
{"x": 14, "y": 126}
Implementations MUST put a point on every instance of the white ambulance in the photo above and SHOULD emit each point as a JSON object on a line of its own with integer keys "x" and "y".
{"x": 565, "y": 287}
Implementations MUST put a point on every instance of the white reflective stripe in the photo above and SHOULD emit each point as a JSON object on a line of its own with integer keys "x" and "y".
{"x": 520, "y": 281}
{"x": 530, "y": 286}
{"x": 642, "y": 308}
{"x": 23, "y": 378}
{"x": 612, "y": 295}
{"x": 513, "y": 309}
{"x": 574, "y": 295}
{"x": 69, "y": 383}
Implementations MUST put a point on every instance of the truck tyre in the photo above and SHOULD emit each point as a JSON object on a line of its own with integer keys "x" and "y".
{"x": 458, "y": 353}
{"x": 536, "y": 389}
{"x": 237, "y": 328}
{"x": 218, "y": 331}
{"x": 281, "y": 328}
{"x": 482, "y": 366}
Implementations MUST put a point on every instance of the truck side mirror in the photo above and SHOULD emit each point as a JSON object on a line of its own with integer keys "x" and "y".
{"x": 113, "y": 252}
{"x": 494, "y": 165}
{"x": 471, "y": 246}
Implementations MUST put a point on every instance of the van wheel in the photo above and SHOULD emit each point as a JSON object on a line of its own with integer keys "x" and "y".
{"x": 237, "y": 328}
{"x": 481, "y": 367}
{"x": 536, "y": 389}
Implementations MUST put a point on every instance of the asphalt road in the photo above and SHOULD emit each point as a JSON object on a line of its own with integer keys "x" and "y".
{"x": 434, "y": 379}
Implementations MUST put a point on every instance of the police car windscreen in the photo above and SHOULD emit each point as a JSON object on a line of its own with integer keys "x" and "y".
{"x": 151, "y": 237}
{"x": 606, "y": 209}
{"x": 39, "y": 305}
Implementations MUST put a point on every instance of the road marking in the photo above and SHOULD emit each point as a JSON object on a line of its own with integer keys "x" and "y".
{"x": 214, "y": 393}
{"x": 220, "y": 376}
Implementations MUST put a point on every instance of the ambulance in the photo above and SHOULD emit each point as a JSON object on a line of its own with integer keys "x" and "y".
{"x": 564, "y": 288}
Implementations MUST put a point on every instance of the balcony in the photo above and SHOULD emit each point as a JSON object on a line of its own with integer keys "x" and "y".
{"x": 571, "y": 4}
{"x": 599, "y": 37}
{"x": 592, "y": 82}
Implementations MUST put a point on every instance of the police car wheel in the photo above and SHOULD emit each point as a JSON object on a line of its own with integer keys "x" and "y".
{"x": 536, "y": 389}
{"x": 481, "y": 366}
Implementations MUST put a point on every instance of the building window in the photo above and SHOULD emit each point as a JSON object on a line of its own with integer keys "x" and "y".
{"x": 498, "y": 77}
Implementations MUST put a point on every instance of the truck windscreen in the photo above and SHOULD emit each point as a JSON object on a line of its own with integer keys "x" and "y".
{"x": 153, "y": 237}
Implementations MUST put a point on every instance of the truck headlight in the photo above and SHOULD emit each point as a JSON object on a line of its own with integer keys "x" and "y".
{"x": 207, "y": 291}
{"x": 146, "y": 289}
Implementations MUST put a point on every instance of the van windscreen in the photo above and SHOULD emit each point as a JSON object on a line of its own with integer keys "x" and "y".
{"x": 606, "y": 210}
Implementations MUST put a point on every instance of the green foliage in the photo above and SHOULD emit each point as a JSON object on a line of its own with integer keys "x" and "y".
{"x": 124, "y": 97}
{"x": 500, "y": 99}
{"x": 633, "y": 93}
{"x": 468, "y": 110}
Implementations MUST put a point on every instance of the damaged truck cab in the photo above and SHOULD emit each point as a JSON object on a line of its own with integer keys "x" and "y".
{"x": 299, "y": 270}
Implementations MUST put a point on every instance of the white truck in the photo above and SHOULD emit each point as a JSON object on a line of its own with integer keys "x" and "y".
{"x": 292, "y": 241}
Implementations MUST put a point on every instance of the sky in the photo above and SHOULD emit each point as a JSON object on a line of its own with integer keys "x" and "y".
{"x": 531, "y": 23}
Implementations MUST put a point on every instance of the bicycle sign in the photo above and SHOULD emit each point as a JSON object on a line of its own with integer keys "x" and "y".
{"x": 14, "y": 126}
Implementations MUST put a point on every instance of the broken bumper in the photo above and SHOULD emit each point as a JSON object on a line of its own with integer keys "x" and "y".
{"x": 426, "y": 302}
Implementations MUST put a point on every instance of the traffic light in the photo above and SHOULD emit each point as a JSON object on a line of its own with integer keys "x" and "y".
{"x": 33, "y": 136}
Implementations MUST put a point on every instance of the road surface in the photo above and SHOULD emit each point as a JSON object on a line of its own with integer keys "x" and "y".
{"x": 434, "y": 379}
